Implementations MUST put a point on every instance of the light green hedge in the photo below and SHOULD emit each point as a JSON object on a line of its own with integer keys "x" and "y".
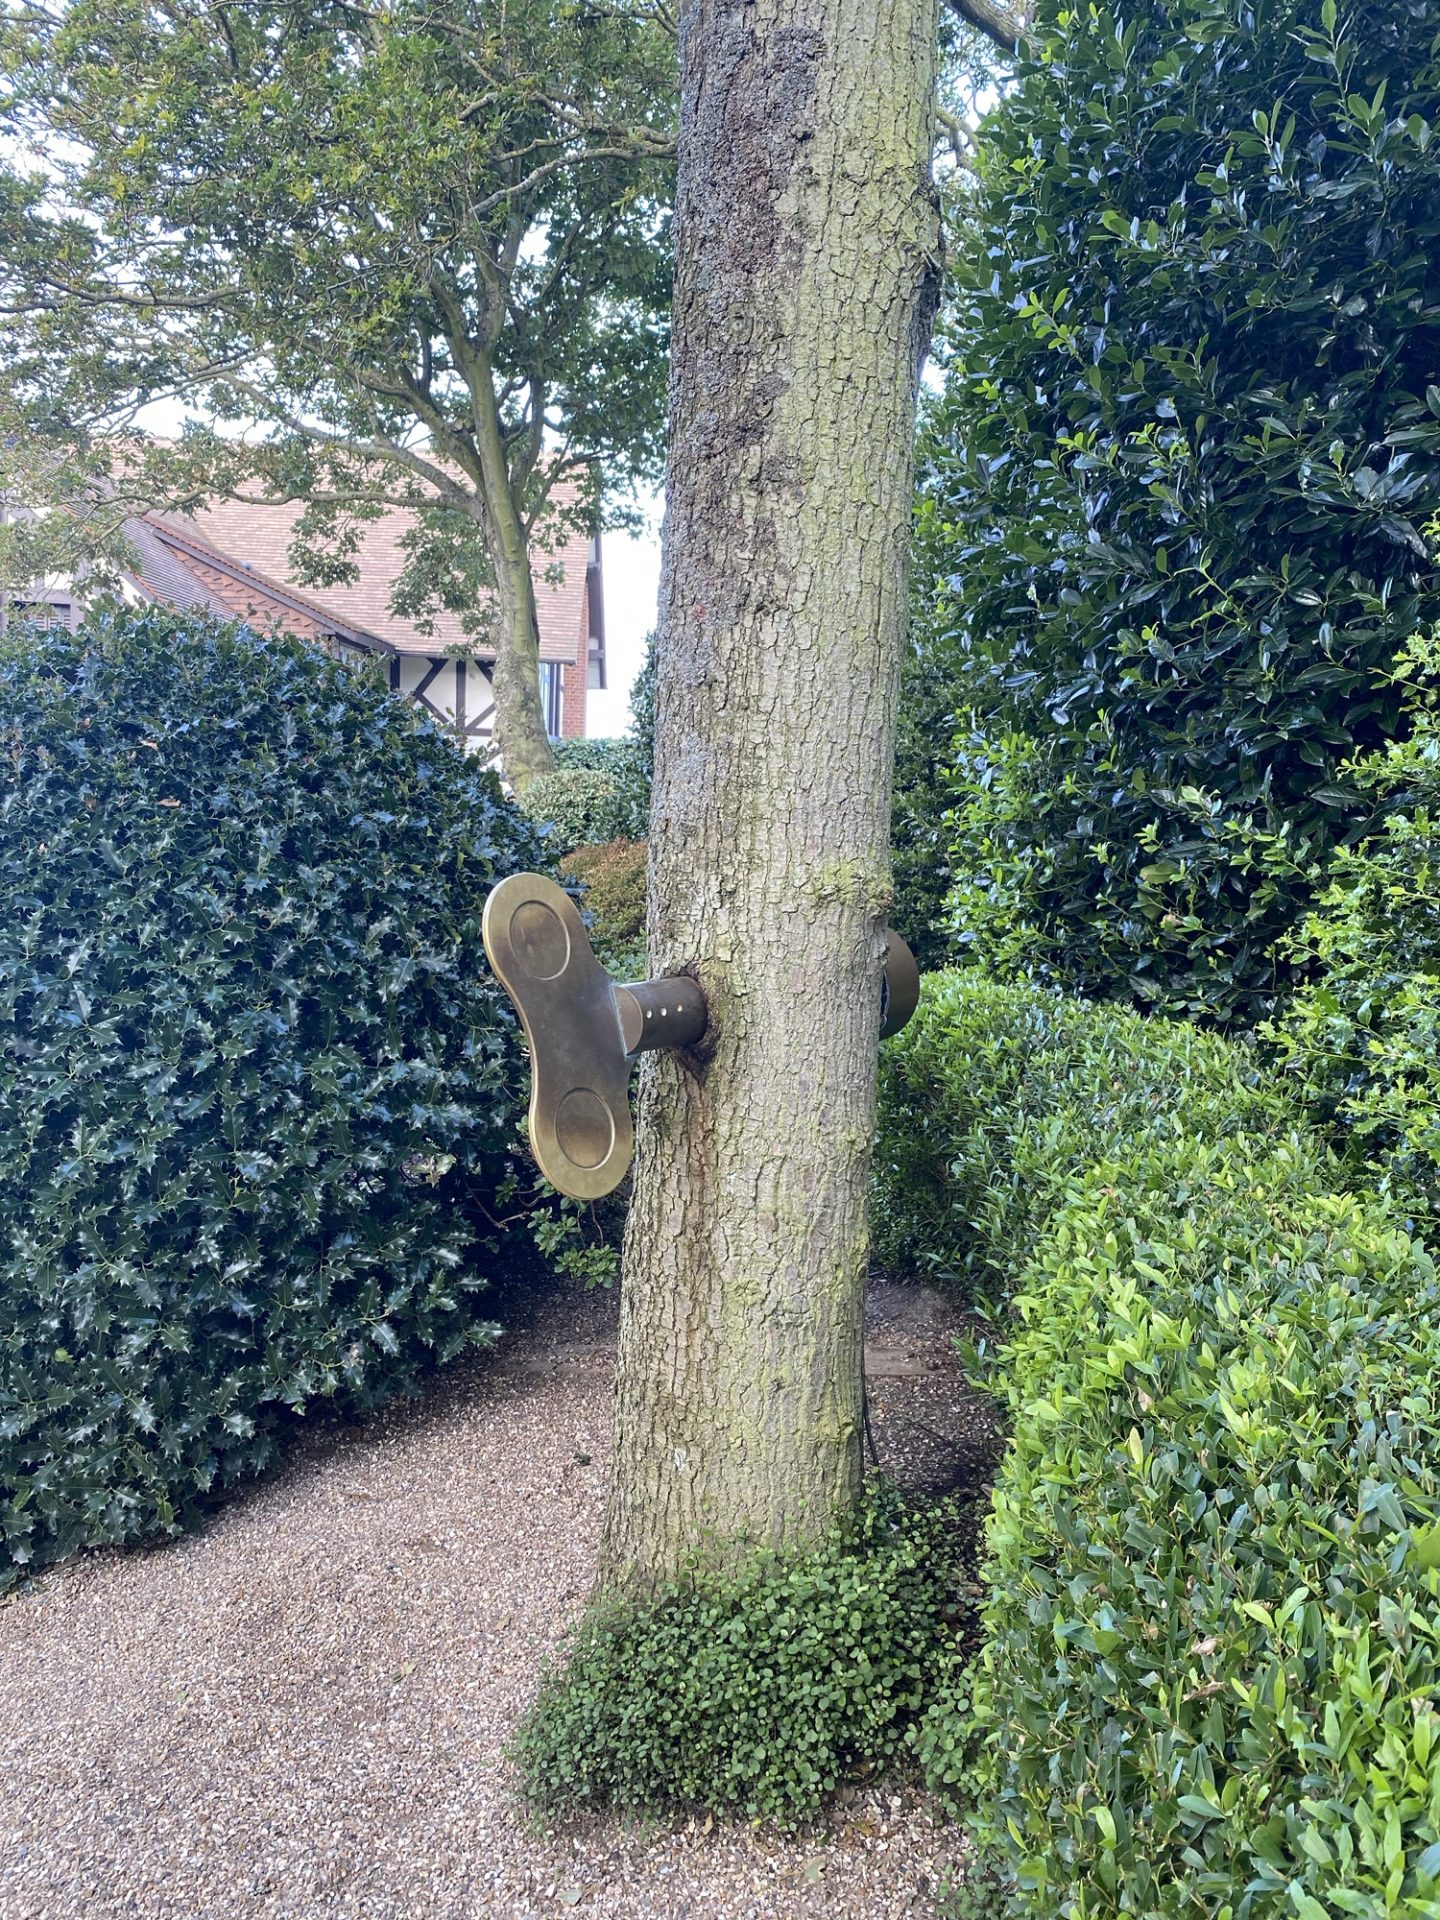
{"x": 1209, "y": 1682}
{"x": 1360, "y": 1040}
{"x": 996, "y": 1098}
{"x": 1212, "y": 1660}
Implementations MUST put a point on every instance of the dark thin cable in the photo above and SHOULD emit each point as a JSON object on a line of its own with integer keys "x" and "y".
{"x": 865, "y": 1417}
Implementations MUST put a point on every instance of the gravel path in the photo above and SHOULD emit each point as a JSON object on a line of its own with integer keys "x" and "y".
{"x": 301, "y": 1712}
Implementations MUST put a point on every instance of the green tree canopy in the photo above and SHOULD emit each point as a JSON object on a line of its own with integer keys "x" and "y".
{"x": 1190, "y": 434}
{"x": 411, "y": 254}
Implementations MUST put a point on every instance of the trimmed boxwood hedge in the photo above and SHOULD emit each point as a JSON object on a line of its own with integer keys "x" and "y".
{"x": 1210, "y": 1677}
{"x": 1211, "y": 1680}
{"x": 1211, "y": 1670}
{"x": 997, "y": 1097}
{"x": 577, "y": 806}
{"x": 255, "y": 1080}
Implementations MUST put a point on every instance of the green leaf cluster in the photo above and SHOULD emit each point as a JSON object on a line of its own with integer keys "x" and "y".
{"x": 997, "y": 1098}
{"x": 256, "y": 1083}
{"x": 410, "y": 256}
{"x": 1212, "y": 1638}
{"x": 626, "y": 760}
{"x": 613, "y": 876}
{"x": 1173, "y": 496}
{"x": 1211, "y": 1643}
{"x": 578, "y": 806}
{"x": 757, "y": 1693}
{"x": 920, "y": 830}
{"x": 1360, "y": 1039}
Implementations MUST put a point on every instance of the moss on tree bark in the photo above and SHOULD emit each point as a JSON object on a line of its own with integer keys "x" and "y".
{"x": 807, "y": 252}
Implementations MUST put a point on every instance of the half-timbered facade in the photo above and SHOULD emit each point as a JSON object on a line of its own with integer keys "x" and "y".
{"x": 233, "y": 559}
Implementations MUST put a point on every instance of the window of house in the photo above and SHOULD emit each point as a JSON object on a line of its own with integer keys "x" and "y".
{"x": 551, "y": 690}
{"x": 42, "y": 613}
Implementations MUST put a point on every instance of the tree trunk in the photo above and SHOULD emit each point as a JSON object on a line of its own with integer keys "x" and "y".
{"x": 808, "y": 242}
{"x": 520, "y": 737}
{"x": 521, "y": 741}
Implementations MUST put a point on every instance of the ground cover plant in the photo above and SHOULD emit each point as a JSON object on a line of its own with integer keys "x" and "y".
{"x": 756, "y": 1693}
{"x": 1173, "y": 506}
{"x": 256, "y": 1084}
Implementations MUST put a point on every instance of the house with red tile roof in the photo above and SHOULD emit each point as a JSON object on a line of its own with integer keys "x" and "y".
{"x": 233, "y": 559}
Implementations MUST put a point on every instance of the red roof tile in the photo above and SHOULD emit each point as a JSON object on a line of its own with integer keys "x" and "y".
{"x": 254, "y": 536}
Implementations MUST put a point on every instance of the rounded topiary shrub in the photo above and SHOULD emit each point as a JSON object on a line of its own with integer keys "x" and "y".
{"x": 1212, "y": 1637}
{"x": 578, "y": 807}
{"x": 998, "y": 1096}
{"x": 255, "y": 1080}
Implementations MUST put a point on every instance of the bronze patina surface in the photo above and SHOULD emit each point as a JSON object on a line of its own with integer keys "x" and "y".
{"x": 661, "y": 1013}
{"x": 585, "y": 1031}
{"x": 899, "y": 985}
{"x": 580, "y": 1126}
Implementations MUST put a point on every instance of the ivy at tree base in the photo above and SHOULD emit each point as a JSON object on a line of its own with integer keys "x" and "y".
{"x": 757, "y": 1694}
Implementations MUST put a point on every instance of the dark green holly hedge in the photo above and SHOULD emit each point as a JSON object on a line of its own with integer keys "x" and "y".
{"x": 254, "y": 1076}
{"x": 1175, "y": 495}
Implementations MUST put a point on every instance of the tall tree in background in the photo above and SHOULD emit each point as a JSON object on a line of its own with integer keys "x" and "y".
{"x": 807, "y": 268}
{"x": 417, "y": 251}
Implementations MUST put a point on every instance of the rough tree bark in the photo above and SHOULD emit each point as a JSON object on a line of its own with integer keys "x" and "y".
{"x": 520, "y": 736}
{"x": 808, "y": 244}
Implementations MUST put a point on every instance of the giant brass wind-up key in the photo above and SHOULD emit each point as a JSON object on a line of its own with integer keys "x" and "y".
{"x": 585, "y": 1029}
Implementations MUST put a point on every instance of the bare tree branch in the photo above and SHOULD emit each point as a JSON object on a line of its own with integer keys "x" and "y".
{"x": 958, "y": 137}
{"x": 1004, "y": 25}
{"x": 377, "y": 449}
{"x": 633, "y": 149}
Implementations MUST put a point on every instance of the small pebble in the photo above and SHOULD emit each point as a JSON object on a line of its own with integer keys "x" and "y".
{"x": 301, "y": 1713}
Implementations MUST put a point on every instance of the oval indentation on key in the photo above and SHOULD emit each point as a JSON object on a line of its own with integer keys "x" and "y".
{"x": 584, "y": 1128}
{"x": 540, "y": 939}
